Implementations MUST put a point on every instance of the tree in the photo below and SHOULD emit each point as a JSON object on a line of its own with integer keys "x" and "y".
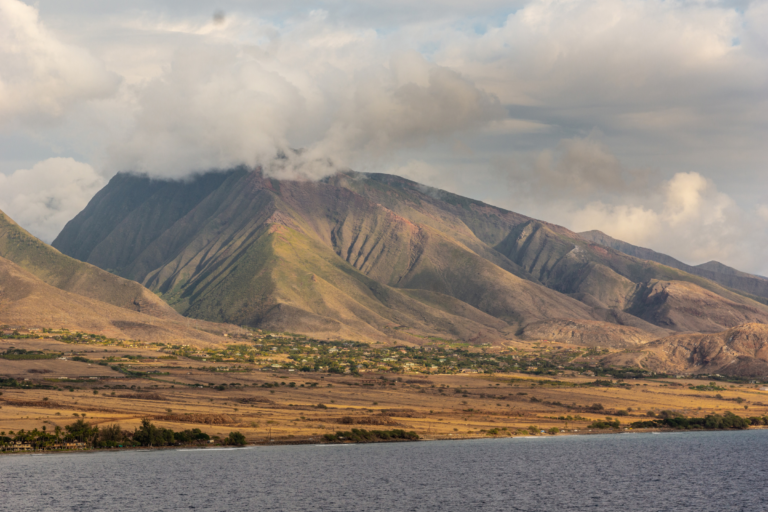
{"x": 82, "y": 431}
{"x": 111, "y": 435}
{"x": 235, "y": 439}
{"x": 148, "y": 434}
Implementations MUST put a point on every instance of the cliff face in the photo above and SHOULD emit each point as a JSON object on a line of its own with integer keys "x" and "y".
{"x": 377, "y": 257}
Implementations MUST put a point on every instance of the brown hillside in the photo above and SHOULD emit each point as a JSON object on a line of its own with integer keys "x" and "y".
{"x": 26, "y": 301}
{"x": 74, "y": 276}
{"x": 741, "y": 351}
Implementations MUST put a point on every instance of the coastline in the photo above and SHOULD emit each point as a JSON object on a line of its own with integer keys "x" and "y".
{"x": 318, "y": 442}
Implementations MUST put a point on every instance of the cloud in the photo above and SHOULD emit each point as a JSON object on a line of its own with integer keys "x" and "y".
{"x": 579, "y": 169}
{"x": 45, "y": 197}
{"x": 583, "y": 186}
{"x": 634, "y": 115}
{"x": 41, "y": 78}
{"x": 223, "y": 105}
{"x": 689, "y": 218}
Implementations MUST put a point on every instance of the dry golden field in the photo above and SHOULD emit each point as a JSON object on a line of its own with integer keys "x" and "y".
{"x": 301, "y": 407}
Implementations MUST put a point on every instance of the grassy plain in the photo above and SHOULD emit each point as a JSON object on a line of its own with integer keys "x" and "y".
{"x": 294, "y": 407}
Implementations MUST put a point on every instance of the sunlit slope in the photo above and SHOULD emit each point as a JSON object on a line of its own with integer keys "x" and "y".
{"x": 378, "y": 256}
{"x": 28, "y": 302}
{"x": 607, "y": 278}
{"x": 614, "y": 283}
{"x": 741, "y": 351}
{"x": 285, "y": 280}
{"x": 714, "y": 271}
{"x": 74, "y": 276}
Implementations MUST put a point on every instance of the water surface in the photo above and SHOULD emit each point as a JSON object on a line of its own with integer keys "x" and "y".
{"x": 704, "y": 471}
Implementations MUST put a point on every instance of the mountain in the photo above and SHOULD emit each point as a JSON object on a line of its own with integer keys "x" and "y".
{"x": 378, "y": 257}
{"x": 42, "y": 288}
{"x": 756, "y": 286}
{"x": 28, "y": 302}
{"x": 69, "y": 274}
{"x": 738, "y": 352}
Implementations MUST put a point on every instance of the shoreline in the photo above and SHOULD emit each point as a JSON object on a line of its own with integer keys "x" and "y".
{"x": 300, "y": 442}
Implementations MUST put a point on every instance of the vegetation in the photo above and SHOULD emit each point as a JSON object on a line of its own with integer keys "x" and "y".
{"x": 603, "y": 424}
{"x": 18, "y": 354}
{"x": 365, "y": 436}
{"x": 83, "y": 435}
{"x": 678, "y": 421}
{"x": 286, "y": 351}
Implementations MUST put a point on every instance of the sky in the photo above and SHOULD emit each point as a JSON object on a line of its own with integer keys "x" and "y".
{"x": 647, "y": 120}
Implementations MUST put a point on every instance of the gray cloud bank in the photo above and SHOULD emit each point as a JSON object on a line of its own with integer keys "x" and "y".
{"x": 646, "y": 119}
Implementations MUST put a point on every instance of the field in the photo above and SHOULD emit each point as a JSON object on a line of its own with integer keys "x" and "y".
{"x": 290, "y": 406}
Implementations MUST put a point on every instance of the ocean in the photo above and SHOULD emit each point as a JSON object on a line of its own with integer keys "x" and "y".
{"x": 696, "y": 471}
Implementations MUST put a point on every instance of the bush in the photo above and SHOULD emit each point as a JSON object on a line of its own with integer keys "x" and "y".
{"x": 711, "y": 421}
{"x": 365, "y": 436}
{"x": 235, "y": 439}
{"x": 599, "y": 424}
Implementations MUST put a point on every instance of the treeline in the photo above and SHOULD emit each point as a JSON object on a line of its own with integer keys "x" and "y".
{"x": 728, "y": 420}
{"x": 607, "y": 423}
{"x": 364, "y": 436}
{"x": 10, "y": 382}
{"x": 19, "y": 354}
{"x": 112, "y": 436}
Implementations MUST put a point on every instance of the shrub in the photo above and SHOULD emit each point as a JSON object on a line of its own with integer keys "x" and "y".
{"x": 599, "y": 424}
{"x": 235, "y": 439}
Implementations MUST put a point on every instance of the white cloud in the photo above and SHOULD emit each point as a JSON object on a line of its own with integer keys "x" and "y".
{"x": 585, "y": 187}
{"x": 41, "y": 77}
{"x": 45, "y": 197}
{"x": 222, "y": 105}
{"x": 461, "y": 95}
{"x": 689, "y": 218}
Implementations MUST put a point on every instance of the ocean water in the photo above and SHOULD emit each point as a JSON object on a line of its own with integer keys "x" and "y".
{"x": 703, "y": 471}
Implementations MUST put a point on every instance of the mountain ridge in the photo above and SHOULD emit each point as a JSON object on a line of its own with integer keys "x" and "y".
{"x": 754, "y": 285}
{"x": 381, "y": 257}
